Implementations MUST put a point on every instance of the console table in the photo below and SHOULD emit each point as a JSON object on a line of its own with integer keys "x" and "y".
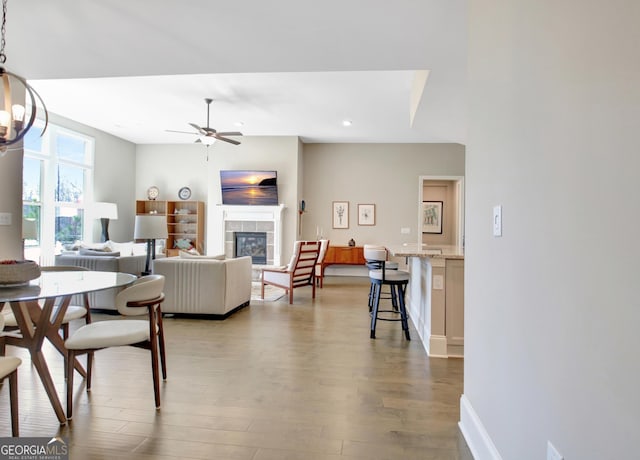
{"x": 342, "y": 255}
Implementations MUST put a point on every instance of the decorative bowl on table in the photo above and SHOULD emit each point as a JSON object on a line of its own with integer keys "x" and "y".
{"x": 18, "y": 272}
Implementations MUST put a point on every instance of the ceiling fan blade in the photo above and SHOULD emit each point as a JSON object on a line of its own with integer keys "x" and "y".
{"x": 181, "y": 132}
{"x": 230, "y": 141}
{"x": 230, "y": 133}
{"x": 198, "y": 128}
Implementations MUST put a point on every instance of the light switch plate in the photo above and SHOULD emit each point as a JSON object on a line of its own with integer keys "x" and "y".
{"x": 5, "y": 218}
{"x": 438, "y": 282}
{"x": 497, "y": 220}
{"x": 405, "y": 230}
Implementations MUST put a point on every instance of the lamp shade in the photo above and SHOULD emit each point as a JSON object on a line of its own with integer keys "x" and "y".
{"x": 102, "y": 210}
{"x": 29, "y": 229}
{"x": 150, "y": 227}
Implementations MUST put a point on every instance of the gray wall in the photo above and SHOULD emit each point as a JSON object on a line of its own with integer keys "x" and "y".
{"x": 551, "y": 308}
{"x": 386, "y": 175}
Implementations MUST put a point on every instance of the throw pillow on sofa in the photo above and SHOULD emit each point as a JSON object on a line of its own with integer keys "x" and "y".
{"x": 94, "y": 252}
{"x": 186, "y": 255}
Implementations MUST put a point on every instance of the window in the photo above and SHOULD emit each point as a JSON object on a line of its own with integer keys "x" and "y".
{"x": 57, "y": 184}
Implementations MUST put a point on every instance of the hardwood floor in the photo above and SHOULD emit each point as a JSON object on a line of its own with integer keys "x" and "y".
{"x": 273, "y": 381}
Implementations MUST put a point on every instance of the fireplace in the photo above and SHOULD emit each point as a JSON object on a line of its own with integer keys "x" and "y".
{"x": 267, "y": 219}
{"x": 252, "y": 244}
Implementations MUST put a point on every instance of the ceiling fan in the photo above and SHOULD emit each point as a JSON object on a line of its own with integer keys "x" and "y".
{"x": 209, "y": 135}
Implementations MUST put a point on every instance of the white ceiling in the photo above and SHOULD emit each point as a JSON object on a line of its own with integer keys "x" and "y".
{"x": 282, "y": 67}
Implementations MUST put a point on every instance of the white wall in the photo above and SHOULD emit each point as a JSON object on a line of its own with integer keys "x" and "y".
{"x": 114, "y": 177}
{"x": 171, "y": 167}
{"x": 387, "y": 175}
{"x": 551, "y": 308}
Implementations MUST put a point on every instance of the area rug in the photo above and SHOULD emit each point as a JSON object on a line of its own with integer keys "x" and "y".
{"x": 271, "y": 293}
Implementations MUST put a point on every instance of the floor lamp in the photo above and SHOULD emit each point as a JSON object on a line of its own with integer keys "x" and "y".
{"x": 105, "y": 211}
{"x": 150, "y": 228}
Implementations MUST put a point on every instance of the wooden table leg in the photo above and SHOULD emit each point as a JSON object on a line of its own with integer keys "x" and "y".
{"x": 34, "y": 325}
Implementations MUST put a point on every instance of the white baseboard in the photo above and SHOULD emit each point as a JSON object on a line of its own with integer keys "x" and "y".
{"x": 478, "y": 440}
{"x": 438, "y": 346}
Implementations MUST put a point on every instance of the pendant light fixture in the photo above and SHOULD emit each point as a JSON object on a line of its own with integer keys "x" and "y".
{"x": 13, "y": 126}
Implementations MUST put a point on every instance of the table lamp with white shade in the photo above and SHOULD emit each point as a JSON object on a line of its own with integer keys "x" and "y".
{"x": 150, "y": 227}
{"x": 104, "y": 212}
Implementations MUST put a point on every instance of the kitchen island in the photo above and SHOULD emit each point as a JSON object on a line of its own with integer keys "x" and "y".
{"x": 435, "y": 296}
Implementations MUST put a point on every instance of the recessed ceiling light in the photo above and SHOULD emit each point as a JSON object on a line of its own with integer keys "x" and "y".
{"x": 347, "y": 123}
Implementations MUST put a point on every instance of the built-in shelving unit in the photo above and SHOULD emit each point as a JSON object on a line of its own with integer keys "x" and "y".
{"x": 185, "y": 223}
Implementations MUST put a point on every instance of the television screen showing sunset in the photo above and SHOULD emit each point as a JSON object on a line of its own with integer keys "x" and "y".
{"x": 249, "y": 187}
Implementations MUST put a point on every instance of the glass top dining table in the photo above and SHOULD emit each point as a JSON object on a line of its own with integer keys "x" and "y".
{"x": 33, "y": 307}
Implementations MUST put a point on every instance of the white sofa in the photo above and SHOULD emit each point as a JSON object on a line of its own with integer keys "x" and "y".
{"x": 205, "y": 285}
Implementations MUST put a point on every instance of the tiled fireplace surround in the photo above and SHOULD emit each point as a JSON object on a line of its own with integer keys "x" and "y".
{"x": 233, "y": 226}
{"x": 266, "y": 219}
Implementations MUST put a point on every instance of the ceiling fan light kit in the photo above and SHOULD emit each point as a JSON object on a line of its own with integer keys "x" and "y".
{"x": 208, "y": 135}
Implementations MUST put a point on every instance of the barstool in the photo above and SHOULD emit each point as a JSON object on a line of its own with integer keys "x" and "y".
{"x": 397, "y": 280}
{"x": 377, "y": 265}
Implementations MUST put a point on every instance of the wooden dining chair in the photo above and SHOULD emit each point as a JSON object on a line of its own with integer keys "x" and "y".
{"x": 300, "y": 271}
{"x": 9, "y": 368}
{"x": 143, "y": 297}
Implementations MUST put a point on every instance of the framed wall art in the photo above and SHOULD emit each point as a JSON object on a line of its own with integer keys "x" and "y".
{"x": 366, "y": 214}
{"x": 432, "y": 217}
{"x": 340, "y": 216}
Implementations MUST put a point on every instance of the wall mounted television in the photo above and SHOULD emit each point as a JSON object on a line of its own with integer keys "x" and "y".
{"x": 249, "y": 187}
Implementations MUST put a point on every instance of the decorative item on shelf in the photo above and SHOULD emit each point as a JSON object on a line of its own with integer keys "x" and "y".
{"x": 153, "y": 192}
{"x": 104, "y": 212}
{"x": 184, "y": 193}
{"x": 150, "y": 228}
{"x": 182, "y": 211}
{"x": 18, "y": 272}
{"x": 12, "y": 117}
{"x": 182, "y": 243}
{"x": 351, "y": 243}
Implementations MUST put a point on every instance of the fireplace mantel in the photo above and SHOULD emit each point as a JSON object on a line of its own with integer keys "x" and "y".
{"x": 258, "y": 214}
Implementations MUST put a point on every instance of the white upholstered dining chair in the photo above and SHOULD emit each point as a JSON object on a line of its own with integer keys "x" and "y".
{"x": 143, "y": 297}
{"x": 73, "y": 311}
{"x": 9, "y": 369}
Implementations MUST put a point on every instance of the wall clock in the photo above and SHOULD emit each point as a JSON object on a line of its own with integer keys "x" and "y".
{"x": 184, "y": 193}
{"x": 153, "y": 192}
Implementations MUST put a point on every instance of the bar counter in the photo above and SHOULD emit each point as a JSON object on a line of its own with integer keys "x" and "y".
{"x": 435, "y": 296}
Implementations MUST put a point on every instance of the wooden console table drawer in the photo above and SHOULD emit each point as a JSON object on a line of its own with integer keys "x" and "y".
{"x": 343, "y": 255}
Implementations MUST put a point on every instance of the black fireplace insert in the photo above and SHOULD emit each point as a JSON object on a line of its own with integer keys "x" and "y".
{"x": 252, "y": 244}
